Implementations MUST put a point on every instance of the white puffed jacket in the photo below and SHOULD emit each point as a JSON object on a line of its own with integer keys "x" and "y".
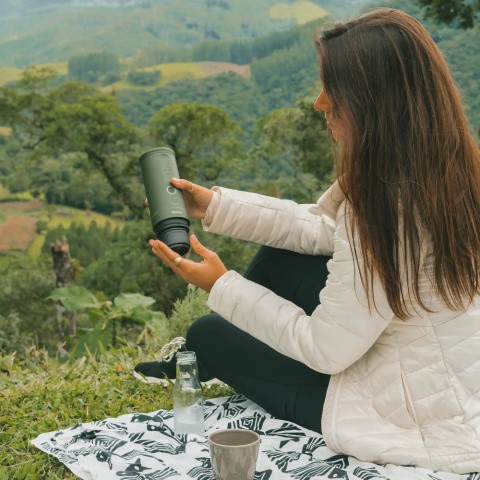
{"x": 401, "y": 392}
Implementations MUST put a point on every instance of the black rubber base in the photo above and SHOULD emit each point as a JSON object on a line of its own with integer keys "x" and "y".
{"x": 174, "y": 232}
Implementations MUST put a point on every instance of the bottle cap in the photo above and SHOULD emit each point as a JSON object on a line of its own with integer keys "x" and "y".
{"x": 186, "y": 357}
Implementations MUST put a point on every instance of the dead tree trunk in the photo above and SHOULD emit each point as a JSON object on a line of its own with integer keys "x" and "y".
{"x": 65, "y": 276}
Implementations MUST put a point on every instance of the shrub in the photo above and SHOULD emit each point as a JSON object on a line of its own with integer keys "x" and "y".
{"x": 143, "y": 79}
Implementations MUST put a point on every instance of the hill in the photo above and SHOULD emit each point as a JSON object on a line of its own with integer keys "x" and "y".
{"x": 169, "y": 73}
{"x": 303, "y": 11}
{"x": 12, "y": 74}
{"x": 19, "y": 234}
{"x": 175, "y": 71}
{"x": 59, "y": 30}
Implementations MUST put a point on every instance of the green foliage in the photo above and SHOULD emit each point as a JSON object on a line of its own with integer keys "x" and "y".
{"x": 74, "y": 298}
{"x": 141, "y": 78}
{"x": 74, "y": 118}
{"x": 205, "y": 140}
{"x": 128, "y": 265}
{"x": 85, "y": 244}
{"x": 125, "y": 31}
{"x": 160, "y": 54}
{"x": 462, "y": 11}
{"x": 245, "y": 51}
{"x": 187, "y": 310}
{"x": 39, "y": 394}
{"x": 105, "y": 315}
{"x": 292, "y": 156}
{"x": 239, "y": 97}
{"x": 13, "y": 337}
{"x": 25, "y": 314}
{"x": 89, "y": 68}
{"x": 293, "y": 68}
{"x": 212, "y": 50}
{"x": 110, "y": 78}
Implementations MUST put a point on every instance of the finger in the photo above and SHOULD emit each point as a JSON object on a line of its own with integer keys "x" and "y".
{"x": 146, "y": 201}
{"x": 200, "y": 249}
{"x": 167, "y": 255}
{"x": 183, "y": 184}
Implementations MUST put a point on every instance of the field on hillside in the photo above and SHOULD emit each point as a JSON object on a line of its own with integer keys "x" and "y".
{"x": 13, "y": 74}
{"x": 176, "y": 71}
{"x": 215, "y": 68}
{"x": 18, "y": 219}
{"x": 16, "y": 233}
{"x": 303, "y": 11}
{"x": 9, "y": 74}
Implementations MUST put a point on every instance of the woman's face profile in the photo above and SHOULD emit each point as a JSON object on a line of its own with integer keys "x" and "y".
{"x": 323, "y": 104}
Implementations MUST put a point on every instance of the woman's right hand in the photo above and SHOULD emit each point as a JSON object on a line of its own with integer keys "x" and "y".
{"x": 197, "y": 198}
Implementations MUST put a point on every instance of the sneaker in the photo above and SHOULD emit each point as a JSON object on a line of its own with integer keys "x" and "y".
{"x": 156, "y": 371}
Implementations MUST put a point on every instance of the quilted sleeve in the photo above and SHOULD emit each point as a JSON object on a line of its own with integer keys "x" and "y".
{"x": 339, "y": 331}
{"x": 270, "y": 221}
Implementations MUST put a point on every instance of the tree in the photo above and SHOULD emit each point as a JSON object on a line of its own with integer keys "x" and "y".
{"x": 446, "y": 11}
{"x": 212, "y": 50}
{"x": 25, "y": 285}
{"x": 73, "y": 118}
{"x": 141, "y": 78}
{"x": 64, "y": 277}
{"x": 203, "y": 137}
{"x": 90, "y": 67}
{"x": 293, "y": 156}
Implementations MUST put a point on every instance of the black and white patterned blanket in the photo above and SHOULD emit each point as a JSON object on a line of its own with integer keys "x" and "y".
{"x": 142, "y": 446}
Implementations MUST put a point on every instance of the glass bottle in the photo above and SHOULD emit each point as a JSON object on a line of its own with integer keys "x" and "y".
{"x": 188, "y": 397}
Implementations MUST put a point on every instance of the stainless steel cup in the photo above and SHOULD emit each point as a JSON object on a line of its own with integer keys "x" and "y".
{"x": 234, "y": 453}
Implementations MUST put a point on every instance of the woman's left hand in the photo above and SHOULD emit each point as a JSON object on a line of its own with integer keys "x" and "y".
{"x": 203, "y": 274}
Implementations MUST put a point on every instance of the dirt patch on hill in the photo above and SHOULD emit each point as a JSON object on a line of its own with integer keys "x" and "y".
{"x": 20, "y": 206}
{"x": 215, "y": 68}
{"x": 16, "y": 233}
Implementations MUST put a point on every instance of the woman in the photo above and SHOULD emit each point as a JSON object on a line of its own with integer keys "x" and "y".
{"x": 387, "y": 366}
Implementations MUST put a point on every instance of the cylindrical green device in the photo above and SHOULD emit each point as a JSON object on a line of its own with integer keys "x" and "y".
{"x": 166, "y": 203}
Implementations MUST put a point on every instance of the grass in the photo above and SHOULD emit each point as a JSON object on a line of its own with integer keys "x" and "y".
{"x": 5, "y": 131}
{"x": 169, "y": 73}
{"x": 61, "y": 68}
{"x": 40, "y": 394}
{"x": 302, "y": 11}
{"x": 50, "y": 215}
{"x": 4, "y": 191}
{"x": 35, "y": 248}
{"x": 54, "y": 220}
{"x": 77, "y": 215}
{"x": 12, "y": 74}
{"x": 9, "y": 74}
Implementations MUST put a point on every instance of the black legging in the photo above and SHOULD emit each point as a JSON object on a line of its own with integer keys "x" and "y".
{"x": 284, "y": 387}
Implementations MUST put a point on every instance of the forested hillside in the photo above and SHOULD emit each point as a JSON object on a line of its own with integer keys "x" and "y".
{"x": 283, "y": 65}
{"x": 59, "y": 30}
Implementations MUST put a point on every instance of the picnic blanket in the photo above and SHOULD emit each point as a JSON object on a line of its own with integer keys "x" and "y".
{"x": 142, "y": 446}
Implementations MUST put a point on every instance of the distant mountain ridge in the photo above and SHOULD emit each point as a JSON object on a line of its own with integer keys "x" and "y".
{"x": 42, "y": 31}
{"x": 9, "y": 7}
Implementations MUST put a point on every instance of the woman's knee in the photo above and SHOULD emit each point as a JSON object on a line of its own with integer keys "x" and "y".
{"x": 203, "y": 332}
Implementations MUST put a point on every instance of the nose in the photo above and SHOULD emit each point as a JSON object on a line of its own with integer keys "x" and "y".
{"x": 322, "y": 102}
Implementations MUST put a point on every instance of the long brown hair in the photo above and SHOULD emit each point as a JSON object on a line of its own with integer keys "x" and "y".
{"x": 408, "y": 165}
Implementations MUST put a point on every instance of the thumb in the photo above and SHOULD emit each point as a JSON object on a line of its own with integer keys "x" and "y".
{"x": 182, "y": 184}
{"x": 199, "y": 248}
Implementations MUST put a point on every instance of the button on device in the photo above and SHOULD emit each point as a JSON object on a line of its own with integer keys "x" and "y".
{"x": 169, "y": 190}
